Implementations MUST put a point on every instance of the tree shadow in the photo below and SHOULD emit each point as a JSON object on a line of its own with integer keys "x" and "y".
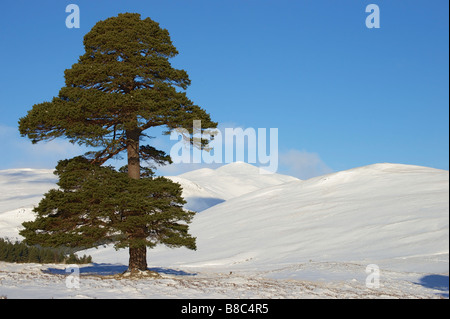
{"x": 104, "y": 269}
{"x": 437, "y": 282}
{"x": 169, "y": 271}
{"x": 198, "y": 204}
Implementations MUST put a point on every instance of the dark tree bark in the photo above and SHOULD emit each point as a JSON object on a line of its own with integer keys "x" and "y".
{"x": 134, "y": 168}
{"x": 138, "y": 255}
{"x": 138, "y": 259}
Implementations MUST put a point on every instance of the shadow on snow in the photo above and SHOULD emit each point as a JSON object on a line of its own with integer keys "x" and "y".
{"x": 199, "y": 204}
{"x": 437, "y": 282}
{"x": 111, "y": 269}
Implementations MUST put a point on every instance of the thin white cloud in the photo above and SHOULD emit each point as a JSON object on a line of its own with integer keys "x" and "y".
{"x": 303, "y": 164}
{"x": 19, "y": 152}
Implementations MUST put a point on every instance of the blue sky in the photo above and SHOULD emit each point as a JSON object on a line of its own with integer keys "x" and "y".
{"x": 340, "y": 94}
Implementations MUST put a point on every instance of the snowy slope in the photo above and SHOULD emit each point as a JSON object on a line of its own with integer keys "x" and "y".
{"x": 206, "y": 187}
{"x": 395, "y": 216}
{"x": 20, "y": 190}
{"x": 384, "y": 213}
{"x": 323, "y": 231}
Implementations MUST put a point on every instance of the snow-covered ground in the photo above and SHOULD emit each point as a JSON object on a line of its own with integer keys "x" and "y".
{"x": 379, "y": 231}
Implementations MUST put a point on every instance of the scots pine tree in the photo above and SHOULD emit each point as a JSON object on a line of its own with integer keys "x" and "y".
{"x": 120, "y": 88}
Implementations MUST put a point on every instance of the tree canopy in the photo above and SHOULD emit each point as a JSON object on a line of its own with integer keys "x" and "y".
{"x": 122, "y": 86}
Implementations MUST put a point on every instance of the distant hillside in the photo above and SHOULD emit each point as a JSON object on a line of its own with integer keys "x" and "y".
{"x": 206, "y": 187}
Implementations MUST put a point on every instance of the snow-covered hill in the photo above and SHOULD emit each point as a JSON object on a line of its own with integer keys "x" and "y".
{"x": 207, "y": 187}
{"x": 393, "y": 215}
{"x": 20, "y": 190}
{"x": 265, "y": 229}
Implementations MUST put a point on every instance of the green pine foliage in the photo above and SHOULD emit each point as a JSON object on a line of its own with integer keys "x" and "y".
{"x": 19, "y": 252}
{"x": 121, "y": 86}
{"x": 95, "y": 205}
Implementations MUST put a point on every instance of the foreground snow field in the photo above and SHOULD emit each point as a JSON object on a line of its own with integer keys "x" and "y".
{"x": 379, "y": 231}
{"x": 50, "y": 281}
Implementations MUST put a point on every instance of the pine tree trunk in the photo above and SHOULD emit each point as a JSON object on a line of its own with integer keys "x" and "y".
{"x": 138, "y": 256}
{"x": 134, "y": 169}
{"x": 138, "y": 259}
